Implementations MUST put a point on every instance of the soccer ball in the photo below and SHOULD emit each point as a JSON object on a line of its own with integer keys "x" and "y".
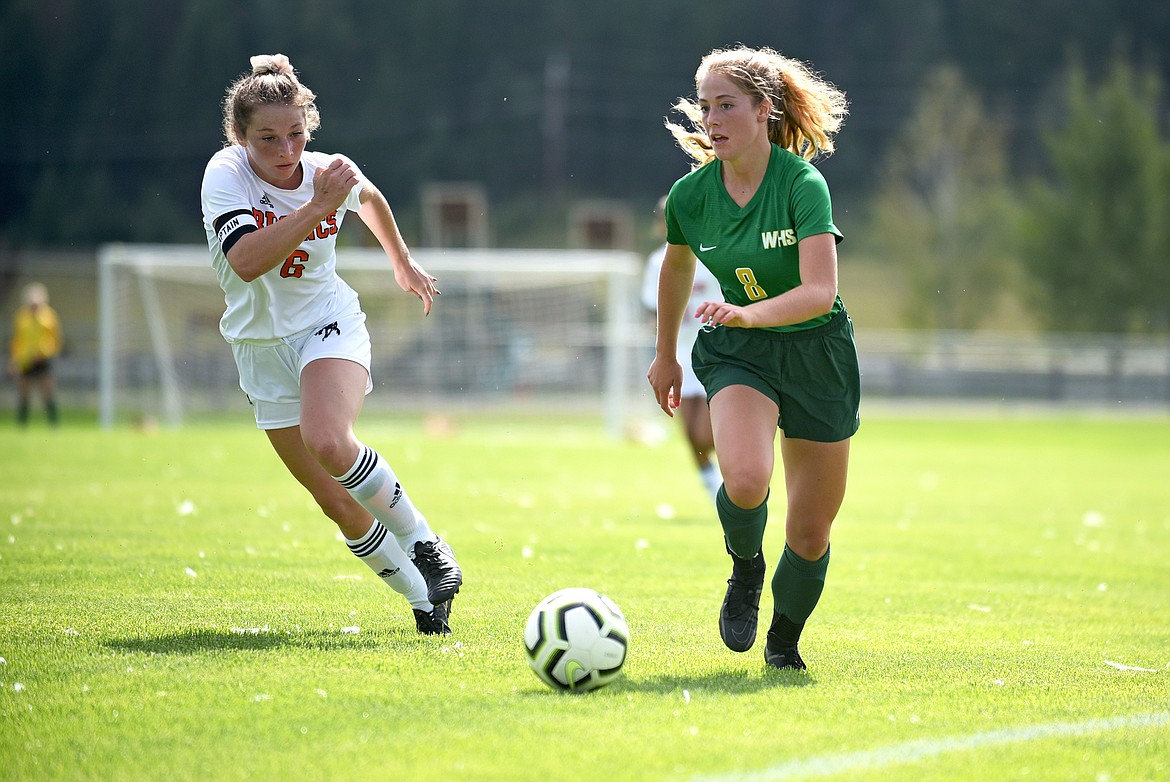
{"x": 576, "y": 640}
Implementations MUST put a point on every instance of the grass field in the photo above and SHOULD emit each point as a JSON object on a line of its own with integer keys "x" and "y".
{"x": 173, "y": 606}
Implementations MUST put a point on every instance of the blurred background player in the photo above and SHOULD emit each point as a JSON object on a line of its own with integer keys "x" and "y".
{"x": 272, "y": 210}
{"x": 36, "y": 341}
{"x": 778, "y": 350}
{"x": 696, "y": 416}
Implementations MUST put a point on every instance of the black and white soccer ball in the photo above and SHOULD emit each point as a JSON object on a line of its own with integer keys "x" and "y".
{"x": 576, "y": 639}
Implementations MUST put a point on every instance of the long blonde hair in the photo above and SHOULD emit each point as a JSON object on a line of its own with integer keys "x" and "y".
{"x": 807, "y": 111}
{"x": 272, "y": 81}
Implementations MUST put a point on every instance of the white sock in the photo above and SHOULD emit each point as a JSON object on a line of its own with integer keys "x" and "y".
{"x": 711, "y": 479}
{"x": 386, "y": 558}
{"x": 374, "y": 485}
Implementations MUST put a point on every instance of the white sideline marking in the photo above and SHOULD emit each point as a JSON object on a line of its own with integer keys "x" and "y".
{"x": 910, "y": 751}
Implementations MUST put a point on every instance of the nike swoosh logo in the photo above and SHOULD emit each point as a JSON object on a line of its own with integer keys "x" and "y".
{"x": 704, "y": 248}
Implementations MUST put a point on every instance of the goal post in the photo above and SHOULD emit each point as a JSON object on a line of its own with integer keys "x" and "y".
{"x": 521, "y": 329}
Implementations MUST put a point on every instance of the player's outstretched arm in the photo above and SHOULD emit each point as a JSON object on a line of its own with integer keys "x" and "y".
{"x": 376, "y": 214}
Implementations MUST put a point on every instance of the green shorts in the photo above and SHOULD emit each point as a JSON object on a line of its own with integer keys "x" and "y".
{"x": 812, "y": 375}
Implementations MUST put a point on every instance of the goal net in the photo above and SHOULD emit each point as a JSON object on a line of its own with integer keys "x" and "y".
{"x": 513, "y": 329}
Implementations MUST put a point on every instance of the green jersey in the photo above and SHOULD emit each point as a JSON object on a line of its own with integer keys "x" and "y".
{"x": 752, "y": 250}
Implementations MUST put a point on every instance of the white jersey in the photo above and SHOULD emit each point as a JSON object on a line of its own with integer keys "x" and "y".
{"x": 706, "y": 288}
{"x": 302, "y": 291}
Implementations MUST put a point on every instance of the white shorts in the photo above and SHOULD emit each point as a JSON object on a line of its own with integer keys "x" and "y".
{"x": 690, "y": 385}
{"x": 270, "y": 372}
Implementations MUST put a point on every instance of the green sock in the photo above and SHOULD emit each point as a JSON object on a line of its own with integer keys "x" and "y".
{"x": 797, "y": 585}
{"x": 743, "y": 528}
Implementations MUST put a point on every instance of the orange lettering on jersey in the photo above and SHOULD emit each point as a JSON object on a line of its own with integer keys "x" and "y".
{"x": 322, "y": 231}
{"x": 263, "y": 219}
{"x": 325, "y": 229}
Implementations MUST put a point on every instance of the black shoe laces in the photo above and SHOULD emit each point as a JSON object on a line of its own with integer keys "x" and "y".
{"x": 428, "y": 558}
{"x": 742, "y": 598}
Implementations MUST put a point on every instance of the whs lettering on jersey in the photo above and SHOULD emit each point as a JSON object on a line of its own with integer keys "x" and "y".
{"x": 774, "y": 239}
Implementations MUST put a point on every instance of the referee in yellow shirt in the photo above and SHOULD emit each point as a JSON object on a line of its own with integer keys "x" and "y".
{"x": 36, "y": 341}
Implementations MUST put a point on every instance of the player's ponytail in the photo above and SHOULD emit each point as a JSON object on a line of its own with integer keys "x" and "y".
{"x": 808, "y": 111}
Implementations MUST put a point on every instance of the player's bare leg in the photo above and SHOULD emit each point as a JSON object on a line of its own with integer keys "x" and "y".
{"x": 333, "y": 391}
{"x": 696, "y": 419}
{"x": 814, "y": 479}
{"x": 744, "y": 427}
{"x": 743, "y": 423}
{"x": 332, "y": 394}
{"x": 351, "y": 518}
{"x": 365, "y": 536}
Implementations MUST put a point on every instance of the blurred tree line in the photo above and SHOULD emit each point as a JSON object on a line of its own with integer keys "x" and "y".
{"x": 989, "y": 143}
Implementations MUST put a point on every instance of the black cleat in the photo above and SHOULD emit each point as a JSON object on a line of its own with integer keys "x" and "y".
{"x": 783, "y": 658}
{"x": 436, "y": 562}
{"x": 433, "y": 622}
{"x": 740, "y": 613}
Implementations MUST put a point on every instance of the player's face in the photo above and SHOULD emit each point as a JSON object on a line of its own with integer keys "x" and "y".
{"x": 274, "y": 141}
{"x": 733, "y": 121}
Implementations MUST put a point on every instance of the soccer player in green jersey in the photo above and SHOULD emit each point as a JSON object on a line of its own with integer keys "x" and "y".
{"x": 778, "y": 350}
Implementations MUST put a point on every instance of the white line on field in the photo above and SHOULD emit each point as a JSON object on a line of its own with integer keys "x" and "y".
{"x": 910, "y": 751}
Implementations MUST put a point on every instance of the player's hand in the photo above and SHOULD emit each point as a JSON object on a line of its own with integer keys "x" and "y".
{"x": 724, "y": 314}
{"x": 413, "y": 278}
{"x": 331, "y": 184}
{"x": 666, "y": 376}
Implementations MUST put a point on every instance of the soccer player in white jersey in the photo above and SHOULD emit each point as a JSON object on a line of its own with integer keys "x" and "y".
{"x": 272, "y": 210}
{"x": 696, "y": 416}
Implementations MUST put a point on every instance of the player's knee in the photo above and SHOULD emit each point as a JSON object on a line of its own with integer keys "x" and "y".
{"x": 809, "y": 544}
{"x": 746, "y": 488}
{"x": 335, "y": 451}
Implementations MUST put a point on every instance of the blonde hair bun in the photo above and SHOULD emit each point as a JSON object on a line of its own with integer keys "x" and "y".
{"x": 270, "y": 63}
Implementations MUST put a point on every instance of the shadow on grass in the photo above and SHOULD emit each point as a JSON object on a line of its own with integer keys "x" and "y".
{"x": 201, "y": 641}
{"x": 731, "y": 681}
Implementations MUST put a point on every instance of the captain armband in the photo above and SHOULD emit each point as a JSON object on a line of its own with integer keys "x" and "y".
{"x": 229, "y": 228}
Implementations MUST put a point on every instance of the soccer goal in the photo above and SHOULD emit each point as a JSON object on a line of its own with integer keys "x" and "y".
{"x": 513, "y": 329}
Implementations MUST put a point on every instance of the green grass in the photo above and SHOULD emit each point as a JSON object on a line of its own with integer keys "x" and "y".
{"x": 984, "y": 572}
